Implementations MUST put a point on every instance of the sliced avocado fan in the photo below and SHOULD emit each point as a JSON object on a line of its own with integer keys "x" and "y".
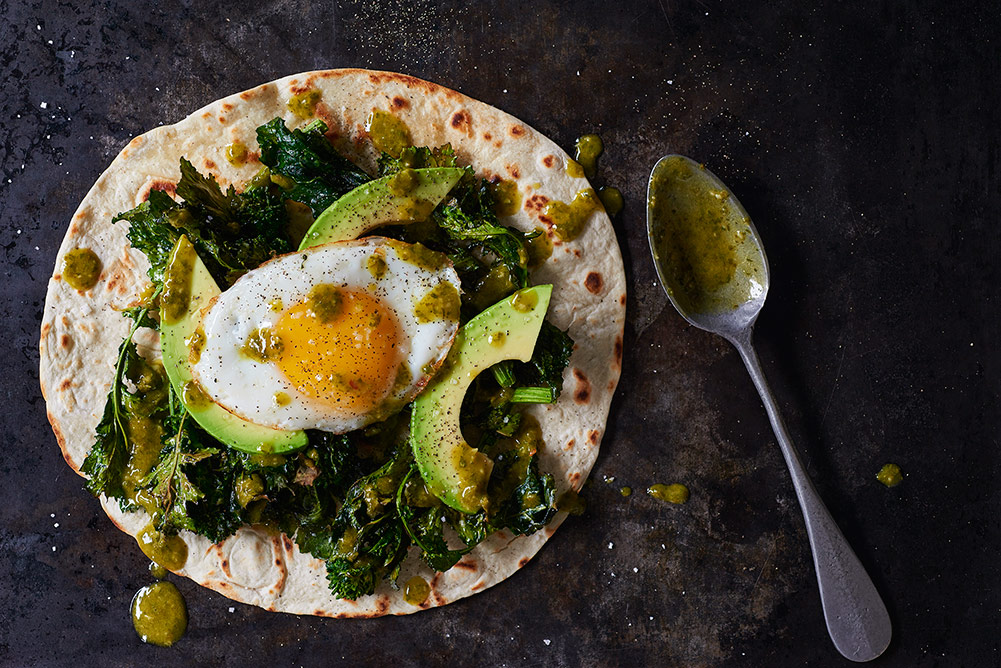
{"x": 454, "y": 471}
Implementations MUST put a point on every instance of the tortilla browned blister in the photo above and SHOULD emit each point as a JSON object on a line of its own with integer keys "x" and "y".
{"x": 81, "y": 332}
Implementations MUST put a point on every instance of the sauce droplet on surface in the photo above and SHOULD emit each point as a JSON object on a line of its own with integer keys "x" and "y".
{"x": 81, "y": 269}
{"x": 159, "y": 614}
{"x": 674, "y": 493}
{"x": 890, "y": 475}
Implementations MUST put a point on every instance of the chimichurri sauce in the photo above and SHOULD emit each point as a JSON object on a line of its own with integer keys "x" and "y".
{"x": 81, "y": 268}
{"x": 159, "y": 614}
{"x": 701, "y": 240}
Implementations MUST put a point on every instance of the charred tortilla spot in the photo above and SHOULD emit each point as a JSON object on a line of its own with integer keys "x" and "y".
{"x": 209, "y": 164}
{"x": 583, "y": 392}
{"x": 593, "y": 436}
{"x": 222, "y": 120}
{"x": 466, "y": 565}
{"x": 516, "y": 131}
{"x": 287, "y": 543}
{"x": 207, "y": 114}
{"x": 549, "y": 161}
{"x": 570, "y": 444}
{"x": 594, "y": 283}
{"x": 487, "y": 136}
{"x": 278, "y": 562}
{"x": 522, "y": 562}
{"x": 66, "y": 341}
{"x": 513, "y": 171}
{"x": 536, "y": 203}
{"x": 168, "y": 187}
{"x": 622, "y": 300}
{"x": 382, "y": 604}
{"x": 65, "y": 385}
{"x": 46, "y": 328}
{"x": 576, "y": 252}
{"x": 224, "y": 585}
{"x": 575, "y": 478}
{"x": 408, "y": 81}
{"x": 246, "y": 95}
{"x": 226, "y": 106}
{"x": 618, "y": 351}
{"x": 463, "y": 121}
{"x": 399, "y": 103}
{"x": 476, "y": 587}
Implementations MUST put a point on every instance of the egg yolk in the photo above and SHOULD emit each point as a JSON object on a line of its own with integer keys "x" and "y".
{"x": 345, "y": 358}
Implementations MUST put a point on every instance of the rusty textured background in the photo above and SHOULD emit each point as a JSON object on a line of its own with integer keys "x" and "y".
{"x": 862, "y": 137}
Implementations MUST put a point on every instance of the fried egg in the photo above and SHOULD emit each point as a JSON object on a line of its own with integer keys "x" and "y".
{"x": 334, "y": 337}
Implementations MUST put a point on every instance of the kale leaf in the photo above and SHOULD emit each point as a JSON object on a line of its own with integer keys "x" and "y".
{"x": 320, "y": 173}
{"x": 549, "y": 359}
{"x": 151, "y": 232}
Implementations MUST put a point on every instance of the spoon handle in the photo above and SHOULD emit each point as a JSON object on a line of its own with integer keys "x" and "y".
{"x": 856, "y": 617}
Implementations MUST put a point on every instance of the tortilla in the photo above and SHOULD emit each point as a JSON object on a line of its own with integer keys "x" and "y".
{"x": 81, "y": 331}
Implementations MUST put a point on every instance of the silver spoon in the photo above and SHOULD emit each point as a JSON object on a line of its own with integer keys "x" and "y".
{"x": 714, "y": 270}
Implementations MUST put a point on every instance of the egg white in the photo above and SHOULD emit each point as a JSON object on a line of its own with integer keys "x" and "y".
{"x": 247, "y": 387}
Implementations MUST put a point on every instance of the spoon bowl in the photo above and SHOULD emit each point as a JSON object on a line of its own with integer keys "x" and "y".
{"x": 712, "y": 264}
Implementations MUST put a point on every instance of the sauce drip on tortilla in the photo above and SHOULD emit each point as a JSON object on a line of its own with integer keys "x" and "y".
{"x": 589, "y": 147}
{"x": 388, "y": 133}
{"x": 568, "y": 220}
{"x": 304, "y": 104}
{"x": 171, "y": 552}
{"x": 159, "y": 614}
{"x": 571, "y": 502}
{"x": 416, "y": 590}
{"x": 673, "y": 493}
{"x": 236, "y": 153}
{"x": 81, "y": 268}
{"x": 701, "y": 240}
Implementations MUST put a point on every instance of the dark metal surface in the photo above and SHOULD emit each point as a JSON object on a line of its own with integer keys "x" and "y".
{"x": 863, "y": 140}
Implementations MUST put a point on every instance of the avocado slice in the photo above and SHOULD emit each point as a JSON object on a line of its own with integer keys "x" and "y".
{"x": 405, "y": 197}
{"x": 454, "y": 471}
{"x": 188, "y": 288}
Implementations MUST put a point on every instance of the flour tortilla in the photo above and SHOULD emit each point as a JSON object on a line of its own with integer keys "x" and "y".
{"x": 81, "y": 331}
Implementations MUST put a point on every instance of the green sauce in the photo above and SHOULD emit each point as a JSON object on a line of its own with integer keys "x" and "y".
{"x": 701, "y": 240}
{"x": 419, "y": 255}
{"x": 415, "y": 210}
{"x": 282, "y": 399}
{"x": 195, "y": 344}
{"x": 389, "y": 134}
{"x": 496, "y": 339}
{"x": 168, "y": 551}
{"x": 626, "y": 491}
{"x": 539, "y": 247}
{"x": 177, "y": 282}
{"x": 589, "y": 147}
{"x": 403, "y": 182}
{"x": 890, "y": 475}
{"x": 159, "y": 614}
{"x": 524, "y": 301}
{"x": 324, "y": 302}
{"x": 376, "y": 264}
{"x": 675, "y": 493}
{"x": 492, "y": 287}
{"x": 263, "y": 345}
{"x": 473, "y": 469}
{"x": 81, "y": 268}
{"x": 236, "y": 153}
{"x": 568, "y": 219}
{"x": 267, "y": 460}
{"x": 507, "y": 198}
{"x": 440, "y": 303}
{"x": 571, "y": 502}
{"x": 416, "y": 590}
{"x": 157, "y": 571}
{"x": 611, "y": 199}
{"x": 247, "y": 488}
{"x": 304, "y": 104}
{"x": 194, "y": 396}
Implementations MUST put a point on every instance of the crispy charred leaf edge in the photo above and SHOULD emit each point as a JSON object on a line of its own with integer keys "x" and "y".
{"x": 353, "y": 500}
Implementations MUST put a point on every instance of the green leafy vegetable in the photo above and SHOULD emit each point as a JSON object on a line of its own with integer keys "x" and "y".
{"x": 320, "y": 173}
